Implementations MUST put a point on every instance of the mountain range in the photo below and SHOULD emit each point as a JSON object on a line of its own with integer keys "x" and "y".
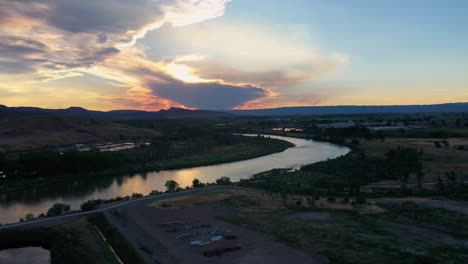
{"x": 355, "y": 109}
{"x": 13, "y": 112}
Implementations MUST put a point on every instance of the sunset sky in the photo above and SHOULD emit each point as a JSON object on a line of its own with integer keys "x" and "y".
{"x": 221, "y": 54}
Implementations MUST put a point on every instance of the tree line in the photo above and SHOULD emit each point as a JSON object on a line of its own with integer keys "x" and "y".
{"x": 52, "y": 163}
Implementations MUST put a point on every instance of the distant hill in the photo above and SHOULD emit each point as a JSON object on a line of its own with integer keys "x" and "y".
{"x": 33, "y": 132}
{"x": 173, "y": 113}
{"x": 15, "y": 112}
{"x": 353, "y": 109}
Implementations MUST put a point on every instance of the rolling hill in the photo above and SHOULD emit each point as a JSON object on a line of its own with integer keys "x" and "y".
{"x": 33, "y": 132}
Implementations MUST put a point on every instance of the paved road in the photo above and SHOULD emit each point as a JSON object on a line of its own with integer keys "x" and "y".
{"x": 81, "y": 213}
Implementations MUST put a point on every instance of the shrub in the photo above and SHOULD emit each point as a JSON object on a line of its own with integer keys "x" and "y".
{"x": 57, "y": 209}
{"x": 154, "y": 192}
{"x": 29, "y": 217}
{"x": 137, "y": 195}
{"x": 223, "y": 181}
{"x": 90, "y": 205}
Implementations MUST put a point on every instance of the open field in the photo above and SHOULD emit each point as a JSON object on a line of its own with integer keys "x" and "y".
{"x": 140, "y": 224}
{"x": 358, "y": 234}
{"x": 436, "y": 160}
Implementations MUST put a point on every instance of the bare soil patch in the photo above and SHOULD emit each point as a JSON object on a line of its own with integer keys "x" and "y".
{"x": 167, "y": 244}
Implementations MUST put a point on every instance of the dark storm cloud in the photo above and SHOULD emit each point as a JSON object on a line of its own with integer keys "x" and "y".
{"x": 53, "y": 39}
{"x": 207, "y": 95}
{"x": 112, "y": 16}
{"x": 66, "y": 34}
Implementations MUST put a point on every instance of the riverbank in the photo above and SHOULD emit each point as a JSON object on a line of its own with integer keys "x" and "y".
{"x": 219, "y": 155}
{"x": 74, "y": 191}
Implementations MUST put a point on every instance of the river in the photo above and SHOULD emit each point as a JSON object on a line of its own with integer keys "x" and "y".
{"x": 16, "y": 205}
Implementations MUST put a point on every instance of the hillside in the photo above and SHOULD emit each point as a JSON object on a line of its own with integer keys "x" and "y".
{"x": 33, "y": 132}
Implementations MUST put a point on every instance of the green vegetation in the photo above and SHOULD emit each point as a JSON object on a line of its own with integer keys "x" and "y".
{"x": 66, "y": 244}
{"x": 52, "y": 163}
{"x": 223, "y": 181}
{"x": 171, "y": 186}
{"x": 252, "y": 147}
{"x": 122, "y": 246}
{"x": 403, "y": 234}
{"x": 343, "y": 175}
{"x": 340, "y": 135}
{"x": 58, "y": 209}
{"x": 167, "y": 152}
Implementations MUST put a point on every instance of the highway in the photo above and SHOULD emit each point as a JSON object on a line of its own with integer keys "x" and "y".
{"x": 114, "y": 206}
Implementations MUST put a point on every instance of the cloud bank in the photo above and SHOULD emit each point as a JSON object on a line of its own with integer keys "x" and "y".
{"x": 46, "y": 40}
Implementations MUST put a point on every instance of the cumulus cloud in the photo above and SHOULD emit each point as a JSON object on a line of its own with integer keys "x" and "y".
{"x": 273, "y": 57}
{"x": 44, "y": 40}
{"x": 214, "y": 67}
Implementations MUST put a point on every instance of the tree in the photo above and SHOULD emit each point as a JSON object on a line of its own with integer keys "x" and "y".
{"x": 29, "y": 217}
{"x": 171, "y": 186}
{"x": 402, "y": 162}
{"x": 223, "y": 181}
{"x": 196, "y": 183}
{"x": 57, "y": 209}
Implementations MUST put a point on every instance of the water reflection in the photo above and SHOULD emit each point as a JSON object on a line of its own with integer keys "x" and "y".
{"x": 15, "y": 205}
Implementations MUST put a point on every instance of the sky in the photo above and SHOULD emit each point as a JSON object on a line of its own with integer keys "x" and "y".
{"x": 232, "y": 54}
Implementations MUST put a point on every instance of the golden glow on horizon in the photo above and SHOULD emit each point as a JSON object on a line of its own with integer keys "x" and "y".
{"x": 53, "y": 63}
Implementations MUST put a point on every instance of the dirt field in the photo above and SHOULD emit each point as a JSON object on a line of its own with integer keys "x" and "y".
{"x": 140, "y": 225}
